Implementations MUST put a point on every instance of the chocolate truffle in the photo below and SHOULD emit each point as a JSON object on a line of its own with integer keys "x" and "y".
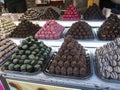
{"x": 57, "y": 70}
{"x": 69, "y": 71}
{"x": 63, "y": 71}
{"x": 76, "y": 71}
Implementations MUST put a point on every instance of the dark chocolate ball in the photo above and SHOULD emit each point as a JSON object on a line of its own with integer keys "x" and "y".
{"x": 63, "y": 71}
{"x": 76, "y": 71}
{"x": 69, "y": 71}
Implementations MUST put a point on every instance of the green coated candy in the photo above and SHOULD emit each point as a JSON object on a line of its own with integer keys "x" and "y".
{"x": 15, "y": 61}
{"x": 17, "y": 67}
{"x": 24, "y": 47}
{"x": 11, "y": 67}
{"x": 32, "y": 57}
{"x": 23, "y": 67}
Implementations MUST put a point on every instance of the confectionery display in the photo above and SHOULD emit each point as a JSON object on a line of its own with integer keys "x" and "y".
{"x": 6, "y": 27}
{"x": 7, "y": 47}
{"x": 41, "y": 13}
{"x": 51, "y": 30}
{"x": 50, "y": 14}
{"x": 109, "y": 60}
{"x": 12, "y": 16}
{"x": 25, "y": 29}
{"x": 33, "y": 14}
{"x": 93, "y": 13}
{"x": 110, "y": 29}
{"x": 71, "y": 13}
{"x": 70, "y": 60}
{"x": 80, "y": 30}
{"x": 30, "y": 56}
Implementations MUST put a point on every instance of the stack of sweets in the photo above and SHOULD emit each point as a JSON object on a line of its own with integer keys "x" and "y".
{"x": 71, "y": 13}
{"x": 108, "y": 57}
{"x": 50, "y": 14}
{"x": 33, "y": 14}
{"x": 110, "y": 29}
{"x": 51, "y": 30}
{"x": 93, "y": 13}
{"x": 7, "y": 47}
{"x": 30, "y": 56}
{"x": 70, "y": 60}
{"x": 24, "y": 29}
{"x": 80, "y": 30}
{"x": 6, "y": 27}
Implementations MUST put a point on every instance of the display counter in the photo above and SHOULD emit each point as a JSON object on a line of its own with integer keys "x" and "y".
{"x": 93, "y": 82}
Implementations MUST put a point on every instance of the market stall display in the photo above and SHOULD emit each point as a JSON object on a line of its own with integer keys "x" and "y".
{"x": 51, "y": 30}
{"x": 50, "y": 14}
{"x": 71, "y": 60}
{"x": 71, "y": 13}
{"x": 41, "y": 13}
{"x": 108, "y": 63}
{"x": 33, "y": 14}
{"x": 93, "y": 13}
{"x": 80, "y": 30}
{"x": 110, "y": 29}
{"x": 30, "y": 57}
{"x": 25, "y": 29}
{"x": 6, "y": 27}
{"x": 7, "y": 47}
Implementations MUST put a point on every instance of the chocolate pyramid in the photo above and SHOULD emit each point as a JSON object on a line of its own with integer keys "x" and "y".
{"x": 71, "y": 13}
{"x": 51, "y": 30}
{"x": 80, "y": 30}
{"x": 7, "y": 47}
{"x": 25, "y": 29}
{"x": 70, "y": 59}
{"x": 109, "y": 61}
{"x": 6, "y": 27}
{"x": 93, "y": 13}
{"x": 50, "y": 14}
{"x": 32, "y": 14}
{"x": 110, "y": 29}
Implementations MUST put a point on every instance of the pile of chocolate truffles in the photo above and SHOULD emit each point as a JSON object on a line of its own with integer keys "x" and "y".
{"x": 109, "y": 60}
{"x": 25, "y": 29}
{"x": 51, "y": 30}
{"x": 70, "y": 60}
{"x": 110, "y": 29}
{"x": 6, "y": 27}
{"x": 93, "y": 13}
{"x": 80, "y": 30}
{"x": 32, "y": 14}
{"x": 71, "y": 13}
{"x": 7, "y": 47}
{"x": 49, "y": 14}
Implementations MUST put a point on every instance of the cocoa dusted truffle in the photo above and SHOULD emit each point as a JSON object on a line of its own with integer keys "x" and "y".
{"x": 66, "y": 64}
{"x": 76, "y": 71}
{"x": 83, "y": 72}
{"x": 69, "y": 71}
{"x": 71, "y": 59}
{"x": 63, "y": 71}
{"x": 51, "y": 69}
{"x": 54, "y": 63}
{"x": 60, "y": 63}
{"x": 57, "y": 70}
